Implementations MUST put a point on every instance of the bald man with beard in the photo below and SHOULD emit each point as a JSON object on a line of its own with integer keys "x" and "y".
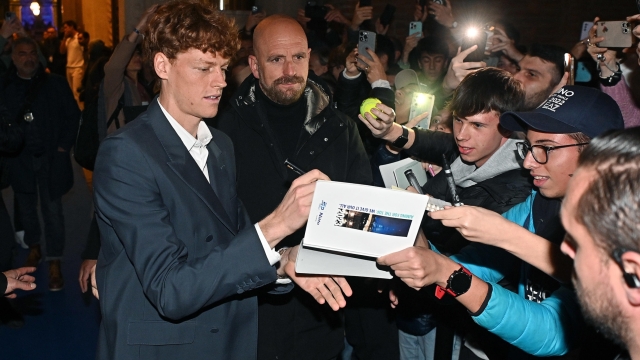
{"x": 280, "y": 112}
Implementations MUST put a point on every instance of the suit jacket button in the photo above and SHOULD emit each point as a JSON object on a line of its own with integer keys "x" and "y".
{"x": 209, "y": 238}
{"x": 214, "y": 330}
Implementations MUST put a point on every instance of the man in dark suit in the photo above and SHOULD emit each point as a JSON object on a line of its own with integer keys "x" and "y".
{"x": 179, "y": 255}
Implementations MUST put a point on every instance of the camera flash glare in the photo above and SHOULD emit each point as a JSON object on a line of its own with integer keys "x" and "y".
{"x": 472, "y": 32}
{"x": 421, "y": 99}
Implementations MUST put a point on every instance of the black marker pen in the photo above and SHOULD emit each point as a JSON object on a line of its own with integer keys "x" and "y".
{"x": 294, "y": 167}
{"x": 452, "y": 184}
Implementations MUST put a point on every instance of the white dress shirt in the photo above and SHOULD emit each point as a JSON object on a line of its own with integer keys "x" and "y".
{"x": 197, "y": 147}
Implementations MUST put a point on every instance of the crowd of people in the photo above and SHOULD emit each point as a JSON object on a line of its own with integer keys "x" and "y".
{"x": 198, "y": 221}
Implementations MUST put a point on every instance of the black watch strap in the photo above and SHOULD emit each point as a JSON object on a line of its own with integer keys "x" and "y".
{"x": 459, "y": 283}
{"x": 402, "y": 139}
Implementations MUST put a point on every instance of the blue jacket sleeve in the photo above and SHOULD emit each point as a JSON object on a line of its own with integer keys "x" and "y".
{"x": 549, "y": 328}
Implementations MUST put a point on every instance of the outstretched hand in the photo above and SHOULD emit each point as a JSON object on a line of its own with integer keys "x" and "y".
{"x": 475, "y": 223}
{"x": 324, "y": 288}
{"x": 383, "y": 124}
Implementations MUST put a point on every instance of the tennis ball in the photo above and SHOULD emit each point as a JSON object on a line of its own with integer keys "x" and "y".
{"x": 367, "y": 105}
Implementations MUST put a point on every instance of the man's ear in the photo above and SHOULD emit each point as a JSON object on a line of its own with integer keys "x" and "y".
{"x": 162, "y": 65}
{"x": 253, "y": 64}
{"x": 631, "y": 265}
{"x": 563, "y": 82}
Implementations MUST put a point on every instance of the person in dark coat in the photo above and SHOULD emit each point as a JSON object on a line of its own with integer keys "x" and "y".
{"x": 179, "y": 257}
{"x": 282, "y": 112}
{"x": 42, "y": 170}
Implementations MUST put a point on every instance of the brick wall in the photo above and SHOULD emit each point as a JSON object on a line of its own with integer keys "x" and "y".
{"x": 543, "y": 21}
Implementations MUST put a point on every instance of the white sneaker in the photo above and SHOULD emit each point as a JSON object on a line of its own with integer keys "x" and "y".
{"x": 20, "y": 239}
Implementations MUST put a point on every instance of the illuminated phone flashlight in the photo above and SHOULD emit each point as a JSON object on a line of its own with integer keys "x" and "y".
{"x": 421, "y": 98}
{"x": 472, "y": 32}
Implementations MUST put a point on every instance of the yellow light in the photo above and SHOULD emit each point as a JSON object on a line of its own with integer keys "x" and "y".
{"x": 35, "y": 8}
{"x": 472, "y": 32}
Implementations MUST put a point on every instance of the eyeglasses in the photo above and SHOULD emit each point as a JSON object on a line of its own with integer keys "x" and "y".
{"x": 540, "y": 153}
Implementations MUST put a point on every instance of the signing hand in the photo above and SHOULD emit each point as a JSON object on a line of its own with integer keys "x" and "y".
{"x": 293, "y": 211}
{"x": 85, "y": 273}
{"x": 323, "y": 288}
{"x": 19, "y": 279}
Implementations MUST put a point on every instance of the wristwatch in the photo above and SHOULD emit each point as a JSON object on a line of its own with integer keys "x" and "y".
{"x": 459, "y": 283}
{"x": 402, "y": 139}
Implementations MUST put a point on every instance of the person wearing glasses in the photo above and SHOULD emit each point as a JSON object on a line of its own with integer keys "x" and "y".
{"x": 542, "y": 319}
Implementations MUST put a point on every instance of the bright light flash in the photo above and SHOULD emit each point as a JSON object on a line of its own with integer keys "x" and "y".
{"x": 35, "y": 8}
{"x": 472, "y": 32}
{"x": 421, "y": 99}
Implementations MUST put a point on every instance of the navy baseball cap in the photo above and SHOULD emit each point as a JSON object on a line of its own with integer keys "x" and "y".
{"x": 571, "y": 109}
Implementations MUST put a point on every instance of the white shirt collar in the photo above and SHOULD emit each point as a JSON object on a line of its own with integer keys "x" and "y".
{"x": 203, "y": 134}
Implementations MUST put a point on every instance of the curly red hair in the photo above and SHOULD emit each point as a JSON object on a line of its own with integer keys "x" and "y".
{"x": 178, "y": 26}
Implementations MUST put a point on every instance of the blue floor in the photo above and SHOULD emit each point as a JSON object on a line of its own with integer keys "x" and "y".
{"x": 62, "y": 324}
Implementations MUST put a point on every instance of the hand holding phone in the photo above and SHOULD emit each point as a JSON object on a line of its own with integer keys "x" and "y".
{"x": 415, "y": 27}
{"x": 474, "y": 36}
{"x": 387, "y": 15}
{"x": 366, "y": 40}
{"x": 617, "y": 34}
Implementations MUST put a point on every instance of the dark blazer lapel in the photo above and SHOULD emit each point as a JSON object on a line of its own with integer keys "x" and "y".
{"x": 182, "y": 163}
{"x": 220, "y": 177}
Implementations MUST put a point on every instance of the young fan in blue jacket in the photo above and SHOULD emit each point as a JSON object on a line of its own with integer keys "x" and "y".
{"x": 543, "y": 319}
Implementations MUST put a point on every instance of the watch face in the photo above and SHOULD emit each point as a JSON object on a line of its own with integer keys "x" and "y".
{"x": 460, "y": 282}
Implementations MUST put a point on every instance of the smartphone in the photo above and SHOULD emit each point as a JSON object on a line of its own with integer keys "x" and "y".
{"x": 569, "y": 66}
{"x": 475, "y": 36}
{"x": 415, "y": 27}
{"x": 366, "y": 40}
{"x": 387, "y": 15}
{"x": 255, "y": 9}
{"x": 364, "y": 3}
{"x": 421, "y": 103}
{"x": 9, "y": 15}
{"x": 313, "y": 11}
{"x": 584, "y": 30}
{"x": 423, "y": 3}
{"x": 617, "y": 34}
